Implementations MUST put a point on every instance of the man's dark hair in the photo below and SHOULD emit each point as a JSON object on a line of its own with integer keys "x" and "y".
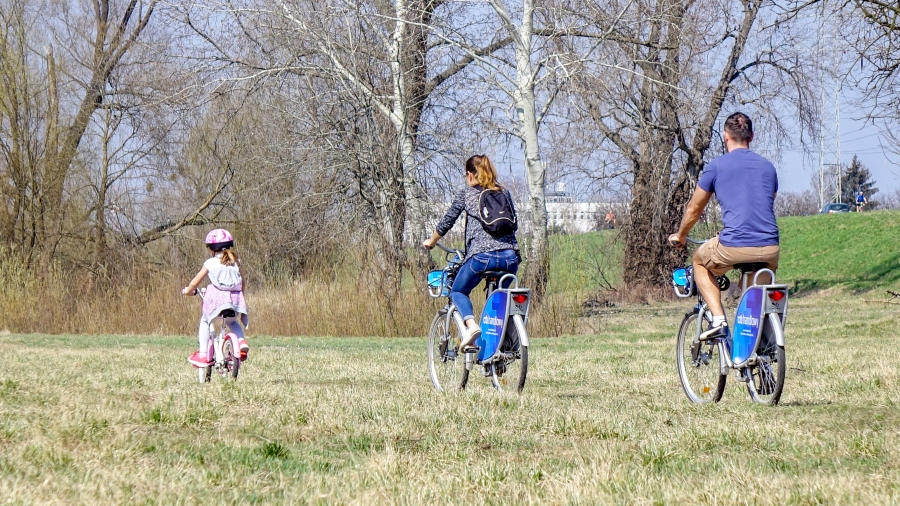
{"x": 740, "y": 127}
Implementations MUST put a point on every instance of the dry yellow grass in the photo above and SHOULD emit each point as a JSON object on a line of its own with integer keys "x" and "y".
{"x": 119, "y": 419}
{"x": 151, "y": 303}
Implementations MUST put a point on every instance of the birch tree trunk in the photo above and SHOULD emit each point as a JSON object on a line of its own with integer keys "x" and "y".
{"x": 537, "y": 270}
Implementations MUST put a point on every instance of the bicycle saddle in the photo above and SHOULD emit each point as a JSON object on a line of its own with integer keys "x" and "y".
{"x": 494, "y": 274}
{"x": 751, "y": 266}
{"x": 228, "y": 313}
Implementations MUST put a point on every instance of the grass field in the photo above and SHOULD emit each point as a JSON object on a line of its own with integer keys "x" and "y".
{"x": 859, "y": 251}
{"x": 603, "y": 420}
{"x": 854, "y": 250}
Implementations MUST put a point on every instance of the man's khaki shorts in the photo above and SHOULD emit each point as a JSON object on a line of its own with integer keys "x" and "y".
{"x": 720, "y": 259}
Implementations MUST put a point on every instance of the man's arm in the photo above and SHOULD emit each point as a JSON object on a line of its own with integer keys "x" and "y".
{"x": 691, "y": 214}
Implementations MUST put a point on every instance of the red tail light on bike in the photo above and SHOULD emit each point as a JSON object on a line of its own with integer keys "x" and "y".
{"x": 519, "y": 298}
{"x": 776, "y": 295}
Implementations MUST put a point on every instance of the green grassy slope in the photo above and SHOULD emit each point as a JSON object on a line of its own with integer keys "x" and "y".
{"x": 585, "y": 261}
{"x": 859, "y": 251}
{"x": 855, "y": 250}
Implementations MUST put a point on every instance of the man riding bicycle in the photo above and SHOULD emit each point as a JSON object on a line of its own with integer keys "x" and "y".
{"x": 745, "y": 185}
{"x": 860, "y": 201}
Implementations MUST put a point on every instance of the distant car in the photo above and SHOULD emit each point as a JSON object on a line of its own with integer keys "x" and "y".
{"x": 836, "y": 208}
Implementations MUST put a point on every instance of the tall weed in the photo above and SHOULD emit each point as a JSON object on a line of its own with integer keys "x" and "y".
{"x": 330, "y": 302}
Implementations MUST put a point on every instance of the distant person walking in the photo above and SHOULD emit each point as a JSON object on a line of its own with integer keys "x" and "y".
{"x": 860, "y": 201}
{"x": 610, "y": 220}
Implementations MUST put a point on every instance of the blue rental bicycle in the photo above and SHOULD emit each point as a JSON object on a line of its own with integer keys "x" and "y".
{"x": 502, "y": 349}
{"x": 754, "y": 348}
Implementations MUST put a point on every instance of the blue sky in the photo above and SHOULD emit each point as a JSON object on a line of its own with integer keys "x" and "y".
{"x": 795, "y": 170}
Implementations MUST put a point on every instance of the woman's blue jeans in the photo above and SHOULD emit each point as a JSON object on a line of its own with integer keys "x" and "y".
{"x": 470, "y": 275}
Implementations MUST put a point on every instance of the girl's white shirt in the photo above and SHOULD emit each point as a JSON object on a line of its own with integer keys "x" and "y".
{"x": 223, "y": 277}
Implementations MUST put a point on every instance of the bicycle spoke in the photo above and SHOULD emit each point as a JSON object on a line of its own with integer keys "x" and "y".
{"x": 698, "y": 364}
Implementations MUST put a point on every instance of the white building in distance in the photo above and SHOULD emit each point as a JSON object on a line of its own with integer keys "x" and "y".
{"x": 566, "y": 215}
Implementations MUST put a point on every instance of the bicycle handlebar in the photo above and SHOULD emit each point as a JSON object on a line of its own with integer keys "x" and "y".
{"x": 690, "y": 240}
{"x": 448, "y": 250}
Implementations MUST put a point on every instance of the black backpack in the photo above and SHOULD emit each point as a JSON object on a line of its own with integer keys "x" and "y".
{"x": 496, "y": 213}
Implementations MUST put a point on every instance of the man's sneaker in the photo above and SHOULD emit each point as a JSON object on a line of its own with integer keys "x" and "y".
{"x": 742, "y": 375}
{"x": 243, "y": 347}
{"x": 488, "y": 370}
{"x": 198, "y": 360}
{"x": 713, "y": 332}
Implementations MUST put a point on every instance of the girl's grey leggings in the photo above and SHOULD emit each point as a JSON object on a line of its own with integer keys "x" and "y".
{"x": 203, "y": 332}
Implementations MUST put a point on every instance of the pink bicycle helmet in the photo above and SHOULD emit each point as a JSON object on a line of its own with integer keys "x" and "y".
{"x": 219, "y": 239}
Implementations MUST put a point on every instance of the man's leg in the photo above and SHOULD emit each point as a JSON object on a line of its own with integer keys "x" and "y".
{"x": 709, "y": 289}
{"x": 707, "y": 257}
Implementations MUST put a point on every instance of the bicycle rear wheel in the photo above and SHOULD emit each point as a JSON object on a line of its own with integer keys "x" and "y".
{"x": 767, "y": 375}
{"x": 232, "y": 359}
{"x": 510, "y": 372}
{"x": 698, "y": 363}
{"x": 446, "y": 366}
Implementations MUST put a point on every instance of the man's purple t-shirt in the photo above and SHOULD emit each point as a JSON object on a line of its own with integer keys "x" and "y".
{"x": 745, "y": 185}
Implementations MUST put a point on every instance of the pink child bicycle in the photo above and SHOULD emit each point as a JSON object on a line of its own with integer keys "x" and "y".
{"x": 224, "y": 355}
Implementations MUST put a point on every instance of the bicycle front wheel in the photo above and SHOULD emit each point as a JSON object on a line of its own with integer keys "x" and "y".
{"x": 698, "y": 363}
{"x": 509, "y": 372}
{"x": 446, "y": 365}
{"x": 767, "y": 375}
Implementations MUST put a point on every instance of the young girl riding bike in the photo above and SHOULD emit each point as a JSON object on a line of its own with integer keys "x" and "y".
{"x": 224, "y": 292}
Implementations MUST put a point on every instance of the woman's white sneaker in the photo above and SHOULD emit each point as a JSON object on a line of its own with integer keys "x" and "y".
{"x": 469, "y": 337}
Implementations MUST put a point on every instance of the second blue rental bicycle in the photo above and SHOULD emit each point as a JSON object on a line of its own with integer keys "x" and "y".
{"x": 754, "y": 348}
{"x": 502, "y": 349}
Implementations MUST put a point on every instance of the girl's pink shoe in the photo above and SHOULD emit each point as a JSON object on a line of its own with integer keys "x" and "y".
{"x": 243, "y": 347}
{"x": 198, "y": 360}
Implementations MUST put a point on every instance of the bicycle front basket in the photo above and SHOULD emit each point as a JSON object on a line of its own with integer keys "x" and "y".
{"x": 683, "y": 282}
{"x": 438, "y": 285}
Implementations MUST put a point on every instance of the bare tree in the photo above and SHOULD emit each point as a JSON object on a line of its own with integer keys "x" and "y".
{"x": 658, "y": 113}
{"x": 873, "y": 31}
{"x": 804, "y": 203}
{"x": 93, "y": 69}
{"x": 377, "y": 65}
{"x": 115, "y": 32}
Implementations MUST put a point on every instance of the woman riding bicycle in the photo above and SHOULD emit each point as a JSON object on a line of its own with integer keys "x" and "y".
{"x": 485, "y": 251}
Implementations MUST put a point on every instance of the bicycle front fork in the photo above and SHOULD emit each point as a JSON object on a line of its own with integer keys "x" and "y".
{"x": 460, "y": 326}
